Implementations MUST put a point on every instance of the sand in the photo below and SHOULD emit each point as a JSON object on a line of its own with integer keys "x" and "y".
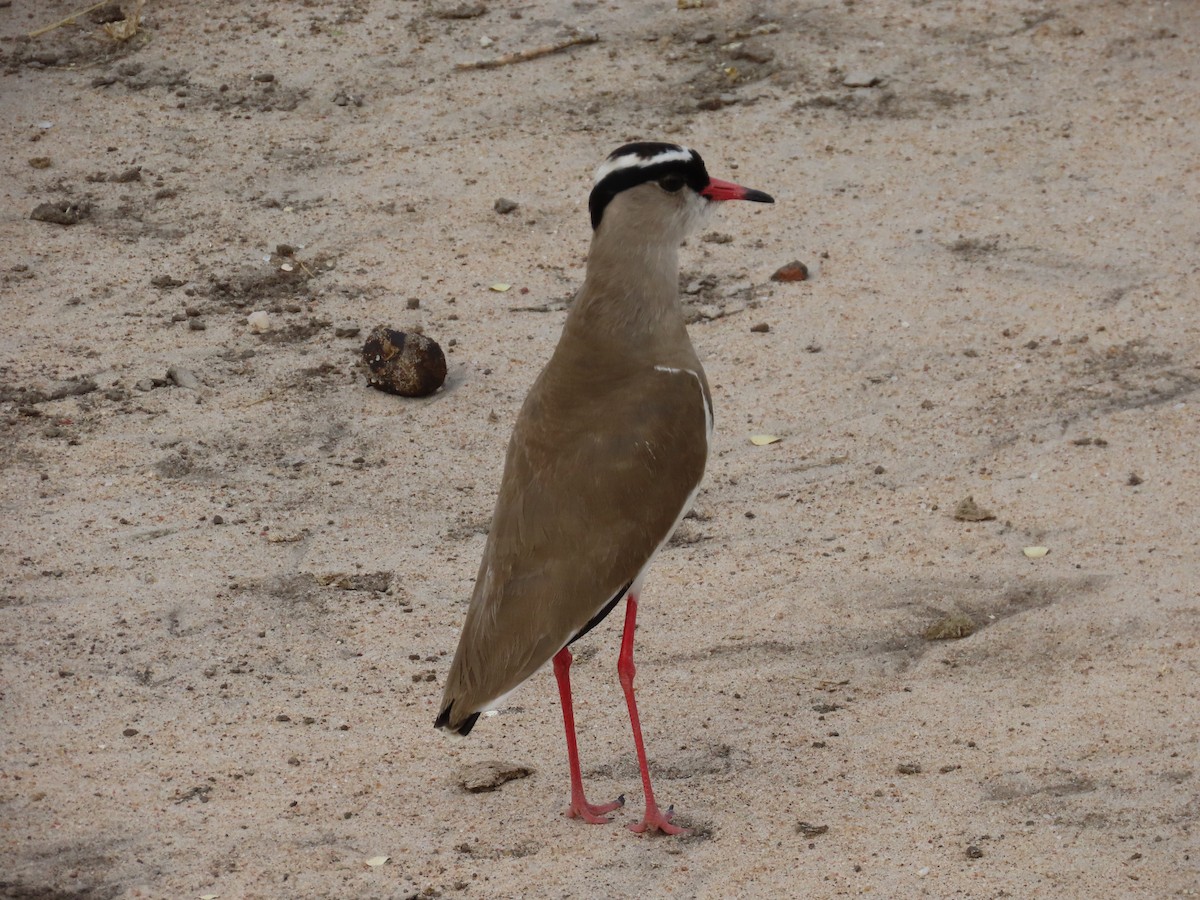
{"x": 230, "y": 593}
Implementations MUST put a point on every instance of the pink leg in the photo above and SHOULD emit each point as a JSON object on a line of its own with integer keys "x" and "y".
{"x": 579, "y": 807}
{"x": 654, "y": 819}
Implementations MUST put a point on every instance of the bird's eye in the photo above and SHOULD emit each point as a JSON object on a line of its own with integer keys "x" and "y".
{"x": 671, "y": 183}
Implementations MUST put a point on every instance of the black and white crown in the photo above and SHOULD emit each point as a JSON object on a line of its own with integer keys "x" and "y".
{"x": 640, "y": 162}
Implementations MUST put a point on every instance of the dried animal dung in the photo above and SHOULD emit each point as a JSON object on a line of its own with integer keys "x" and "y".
{"x": 408, "y": 364}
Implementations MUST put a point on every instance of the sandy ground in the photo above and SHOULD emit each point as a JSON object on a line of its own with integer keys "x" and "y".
{"x": 229, "y": 596}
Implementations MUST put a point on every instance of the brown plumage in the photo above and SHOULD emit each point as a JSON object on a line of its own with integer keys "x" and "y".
{"x": 606, "y": 455}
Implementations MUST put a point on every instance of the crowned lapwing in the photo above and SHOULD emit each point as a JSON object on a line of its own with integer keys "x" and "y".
{"x": 605, "y": 458}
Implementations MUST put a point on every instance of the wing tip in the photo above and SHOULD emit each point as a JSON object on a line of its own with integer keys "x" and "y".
{"x": 463, "y": 728}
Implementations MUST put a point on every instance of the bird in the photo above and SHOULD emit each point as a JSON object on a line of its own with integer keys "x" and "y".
{"x": 606, "y": 456}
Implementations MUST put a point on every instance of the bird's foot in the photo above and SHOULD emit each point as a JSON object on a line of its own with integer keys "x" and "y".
{"x": 593, "y": 813}
{"x": 657, "y": 820}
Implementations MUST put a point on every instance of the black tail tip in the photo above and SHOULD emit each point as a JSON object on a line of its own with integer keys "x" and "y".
{"x": 443, "y": 721}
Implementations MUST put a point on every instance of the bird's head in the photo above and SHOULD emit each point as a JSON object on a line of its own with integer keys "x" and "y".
{"x": 658, "y": 190}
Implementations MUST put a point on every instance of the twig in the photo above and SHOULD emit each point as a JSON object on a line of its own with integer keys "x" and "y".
{"x": 68, "y": 20}
{"x": 525, "y": 55}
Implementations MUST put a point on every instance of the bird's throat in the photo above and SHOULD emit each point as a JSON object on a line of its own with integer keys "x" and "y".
{"x": 631, "y": 290}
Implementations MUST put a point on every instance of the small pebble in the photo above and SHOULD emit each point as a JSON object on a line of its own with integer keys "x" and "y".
{"x": 760, "y": 328}
{"x": 184, "y": 378}
{"x": 1134, "y": 479}
{"x": 793, "y": 271}
{"x": 413, "y": 303}
{"x": 504, "y": 206}
{"x": 974, "y": 852}
{"x": 259, "y": 322}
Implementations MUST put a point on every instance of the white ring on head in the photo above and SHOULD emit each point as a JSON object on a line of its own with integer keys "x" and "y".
{"x": 632, "y": 160}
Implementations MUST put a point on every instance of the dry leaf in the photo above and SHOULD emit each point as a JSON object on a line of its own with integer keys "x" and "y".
{"x": 293, "y": 537}
{"x": 951, "y": 627}
{"x": 377, "y": 861}
{"x": 970, "y": 511}
{"x": 127, "y": 27}
{"x": 761, "y": 440}
{"x": 490, "y": 774}
{"x": 1036, "y": 552}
